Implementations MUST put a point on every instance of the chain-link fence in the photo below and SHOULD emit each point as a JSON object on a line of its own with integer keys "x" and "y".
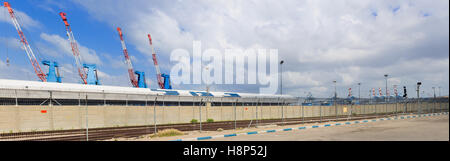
{"x": 57, "y": 115}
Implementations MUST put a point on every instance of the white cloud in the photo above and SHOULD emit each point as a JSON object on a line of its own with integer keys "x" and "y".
{"x": 25, "y": 21}
{"x": 321, "y": 41}
{"x": 63, "y": 45}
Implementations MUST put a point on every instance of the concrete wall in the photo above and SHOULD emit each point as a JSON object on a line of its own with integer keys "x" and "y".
{"x": 33, "y": 118}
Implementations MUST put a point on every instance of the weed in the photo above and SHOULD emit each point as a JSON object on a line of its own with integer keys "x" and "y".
{"x": 169, "y": 132}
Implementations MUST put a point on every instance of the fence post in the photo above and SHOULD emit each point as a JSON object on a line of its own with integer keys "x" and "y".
{"x": 146, "y": 110}
{"x": 163, "y": 109}
{"x": 418, "y": 105}
{"x": 126, "y": 100}
{"x": 87, "y": 119}
{"x": 335, "y": 109}
{"x": 303, "y": 114}
{"x": 282, "y": 111}
{"x": 257, "y": 101}
{"x": 405, "y": 109}
{"x": 79, "y": 99}
{"x": 375, "y": 105}
{"x": 385, "y": 107}
{"x": 396, "y": 106}
{"x": 104, "y": 98}
{"x": 193, "y": 107}
{"x": 15, "y": 92}
{"x": 320, "y": 113}
{"x": 235, "y": 113}
{"x": 221, "y": 109}
{"x": 434, "y": 105}
{"x": 364, "y": 107}
{"x": 154, "y": 113}
{"x": 179, "y": 109}
{"x": 50, "y": 104}
{"x": 200, "y": 113}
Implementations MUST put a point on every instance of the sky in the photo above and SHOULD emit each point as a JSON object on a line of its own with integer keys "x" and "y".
{"x": 349, "y": 41}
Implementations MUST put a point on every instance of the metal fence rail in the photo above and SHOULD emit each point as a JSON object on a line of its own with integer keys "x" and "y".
{"x": 56, "y": 115}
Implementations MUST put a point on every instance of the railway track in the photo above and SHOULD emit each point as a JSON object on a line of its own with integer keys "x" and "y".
{"x": 135, "y": 131}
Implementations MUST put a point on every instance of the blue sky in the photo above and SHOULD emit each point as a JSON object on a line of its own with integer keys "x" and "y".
{"x": 349, "y": 41}
{"x": 89, "y": 33}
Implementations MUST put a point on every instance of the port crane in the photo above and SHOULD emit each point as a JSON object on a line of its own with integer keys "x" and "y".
{"x": 89, "y": 77}
{"x": 163, "y": 79}
{"x": 53, "y": 73}
{"x": 140, "y": 82}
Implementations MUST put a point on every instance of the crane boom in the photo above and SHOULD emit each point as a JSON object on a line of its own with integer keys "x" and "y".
{"x": 75, "y": 51}
{"x": 155, "y": 62}
{"x": 133, "y": 80}
{"x": 25, "y": 45}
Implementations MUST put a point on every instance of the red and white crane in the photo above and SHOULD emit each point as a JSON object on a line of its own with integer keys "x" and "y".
{"x": 75, "y": 51}
{"x": 395, "y": 90}
{"x": 133, "y": 79}
{"x": 25, "y": 45}
{"x": 155, "y": 62}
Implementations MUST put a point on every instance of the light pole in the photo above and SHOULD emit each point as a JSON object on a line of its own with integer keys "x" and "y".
{"x": 418, "y": 97}
{"x": 359, "y": 95}
{"x": 434, "y": 99}
{"x": 335, "y": 100}
{"x": 440, "y": 108}
{"x": 281, "y": 82}
{"x": 386, "y": 95}
{"x": 281, "y": 90}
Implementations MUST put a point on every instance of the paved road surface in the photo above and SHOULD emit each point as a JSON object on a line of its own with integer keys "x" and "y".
{"x": 434, "y": 128}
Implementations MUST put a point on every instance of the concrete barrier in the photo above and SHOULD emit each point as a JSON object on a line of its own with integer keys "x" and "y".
{"x": 36, "y": 118}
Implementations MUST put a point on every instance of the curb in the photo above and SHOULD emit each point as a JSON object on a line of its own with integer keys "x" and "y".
{"x": 308, "y": 127}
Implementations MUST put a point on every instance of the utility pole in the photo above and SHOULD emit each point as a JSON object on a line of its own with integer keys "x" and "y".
{"x": 359, "y": 96}
{"x": 281, "y": 82}
{"x": 434, "y": 99}
{"x": 440, "y": 108}
{"x": 418, "y": 97}
{"x": 335, "y": 100}
{"x": 359, "y": 93}
{"x": 386, "y": 97}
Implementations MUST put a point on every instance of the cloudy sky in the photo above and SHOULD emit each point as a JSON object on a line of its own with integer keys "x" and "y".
{"x": 349, "y": 41}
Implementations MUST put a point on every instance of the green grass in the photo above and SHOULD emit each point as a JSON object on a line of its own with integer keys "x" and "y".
{"x": 194, "y": 121}
{"x": 210, "y": 120}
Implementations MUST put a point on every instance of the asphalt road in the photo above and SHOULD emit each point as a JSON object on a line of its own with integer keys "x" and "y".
{"x": 435, "y": 128}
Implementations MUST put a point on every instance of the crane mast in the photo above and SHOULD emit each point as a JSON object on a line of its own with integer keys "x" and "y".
{"x": 155, "y": 62}
{"x": 163, "y": 84}
{"x": 133, "y": 80}
{"x": 75, "y": 51}
{"x": 25, "y": 45}
{"x": 349, "y": 92}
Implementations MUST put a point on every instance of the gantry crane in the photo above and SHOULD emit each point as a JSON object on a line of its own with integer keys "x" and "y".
{"x": 53, "y": 72}
{"x": 91, "y": 76}
{"x": 140, "y": 82}
{"x": 163, "y": 84}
